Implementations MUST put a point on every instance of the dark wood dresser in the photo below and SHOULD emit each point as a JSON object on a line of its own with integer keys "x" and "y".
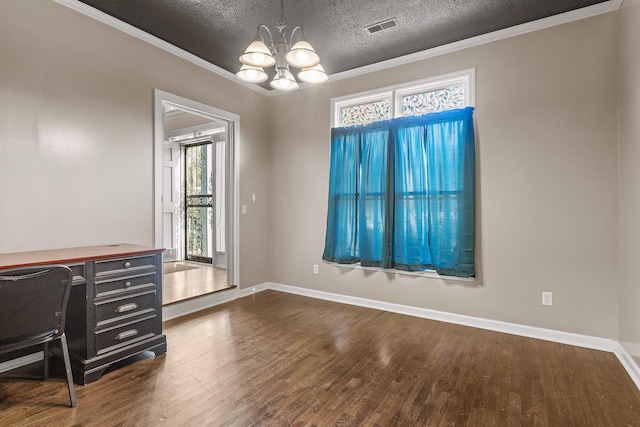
{"x": 115, "y": 306}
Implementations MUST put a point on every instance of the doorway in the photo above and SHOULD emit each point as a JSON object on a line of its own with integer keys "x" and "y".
{"x": 199, "y": 224}
{"x": 195, "y": 216}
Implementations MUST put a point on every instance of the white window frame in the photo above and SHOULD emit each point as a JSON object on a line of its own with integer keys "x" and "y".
{"x": 395, "y": 93}
{"x": 361, "y": 98}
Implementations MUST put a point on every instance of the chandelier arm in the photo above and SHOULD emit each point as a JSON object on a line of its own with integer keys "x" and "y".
{"x": 281, "y": 54}
{"x": 271, "y": 44}
{"x": 293, "y": 32}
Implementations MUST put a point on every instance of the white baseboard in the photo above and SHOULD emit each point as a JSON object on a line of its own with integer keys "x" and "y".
{"x": 189, "y": 306}
{"x": 196, "y": 304}
{"x": 628, "y": 361}
{"x": 252, "y": 290}
{"x": 633, "y": 349}
{"x": 476, "y": 322}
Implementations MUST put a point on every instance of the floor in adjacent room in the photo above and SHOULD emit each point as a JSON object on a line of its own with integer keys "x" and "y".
{"x": 184, "y": 280}
{"x": 276, "y": 359}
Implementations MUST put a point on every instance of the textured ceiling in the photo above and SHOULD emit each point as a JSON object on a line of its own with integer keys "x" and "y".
{"x": 219, "y": 31}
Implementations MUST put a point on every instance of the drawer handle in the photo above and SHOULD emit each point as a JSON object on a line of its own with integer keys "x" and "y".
{"x": 126, "y": 307}
{"x": 127, "y": 284}
{"x": 127, "y": 334}
{"x": 127, "y": 264}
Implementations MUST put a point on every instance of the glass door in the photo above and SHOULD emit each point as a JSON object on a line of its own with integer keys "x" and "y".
{"x": 199, "y": 230}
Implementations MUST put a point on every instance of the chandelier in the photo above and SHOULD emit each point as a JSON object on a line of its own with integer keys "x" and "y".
{"x": 300, "y": 55}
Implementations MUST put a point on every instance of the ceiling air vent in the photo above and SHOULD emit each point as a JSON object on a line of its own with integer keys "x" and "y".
{"x": 384, "y": 25}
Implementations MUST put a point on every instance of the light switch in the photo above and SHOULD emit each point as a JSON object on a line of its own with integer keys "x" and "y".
{"x": 244, "y": 209}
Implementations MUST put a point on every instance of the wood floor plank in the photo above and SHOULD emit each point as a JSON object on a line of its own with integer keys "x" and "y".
{"x": 274, "y": 359}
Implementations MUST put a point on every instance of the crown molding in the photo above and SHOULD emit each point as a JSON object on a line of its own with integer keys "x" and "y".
{"x": 540, "y": 24}
{"x": 586, "y": 12}
{"x": 155, "y": 41}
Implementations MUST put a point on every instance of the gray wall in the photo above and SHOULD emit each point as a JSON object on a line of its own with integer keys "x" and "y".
{"x": 629, "y": 232}
{"x": 76, "y": 133}
{"x": 76, "y": 124}
{"x": 547, "y": 183}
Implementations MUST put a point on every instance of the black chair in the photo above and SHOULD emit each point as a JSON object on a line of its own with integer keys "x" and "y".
{"x": 33, "y": 306}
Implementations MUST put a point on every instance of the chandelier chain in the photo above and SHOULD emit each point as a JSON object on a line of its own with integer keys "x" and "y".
{"x": 282, "y": 23}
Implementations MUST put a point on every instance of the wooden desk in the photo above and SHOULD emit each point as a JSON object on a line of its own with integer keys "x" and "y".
{"x": 115, "y": 306}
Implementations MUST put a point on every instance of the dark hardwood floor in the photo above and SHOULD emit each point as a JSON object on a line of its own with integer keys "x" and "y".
{"x": 274, "y": 359}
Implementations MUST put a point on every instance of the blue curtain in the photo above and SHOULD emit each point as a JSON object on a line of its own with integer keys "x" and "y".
{"x": 402, "y": 194}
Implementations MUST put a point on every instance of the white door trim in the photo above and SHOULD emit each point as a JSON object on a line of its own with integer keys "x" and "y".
{"x": 233, "y": 186}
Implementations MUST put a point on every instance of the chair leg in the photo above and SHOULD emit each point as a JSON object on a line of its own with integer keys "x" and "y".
{"x": 46, "y": 361}
{"x": 67, "y": 365}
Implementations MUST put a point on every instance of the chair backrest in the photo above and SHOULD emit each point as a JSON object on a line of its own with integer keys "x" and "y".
{"x": 33, "y": 303}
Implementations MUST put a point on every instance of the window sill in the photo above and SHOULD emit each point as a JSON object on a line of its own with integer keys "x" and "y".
{"x": 431, "y": 274}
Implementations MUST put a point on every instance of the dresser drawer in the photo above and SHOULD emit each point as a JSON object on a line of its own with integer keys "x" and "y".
{"x": 123, "y": 265}
{"x": 130, "y": 283}
{"x": 112, "y": 338}
{"x": 112, "y": 310}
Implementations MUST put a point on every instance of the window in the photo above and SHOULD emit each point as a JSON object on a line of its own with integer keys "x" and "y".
{"x": 402, "y": 190}
{"x": 364, "y": 109}
{"x": 445, "y": 92}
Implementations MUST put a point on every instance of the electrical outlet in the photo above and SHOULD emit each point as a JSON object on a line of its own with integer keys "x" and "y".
{"x": 547, "y": 298}
{"x": 315, "y": 269}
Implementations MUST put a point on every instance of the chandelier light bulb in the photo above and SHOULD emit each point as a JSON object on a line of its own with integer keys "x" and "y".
{"x": 313, "y": 74}
{"x": 251, "y": 74}
{"x": 284, "y": 81}
{"x": 258, "y": 54}
{"x": 259, "y": 58}
{"x": 302, "y": 55}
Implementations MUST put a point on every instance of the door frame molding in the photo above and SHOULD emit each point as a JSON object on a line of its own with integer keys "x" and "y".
{"x": 233, "y": 175}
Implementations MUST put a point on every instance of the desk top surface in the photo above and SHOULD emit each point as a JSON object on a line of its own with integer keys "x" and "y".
{"x": 73, "y": 255}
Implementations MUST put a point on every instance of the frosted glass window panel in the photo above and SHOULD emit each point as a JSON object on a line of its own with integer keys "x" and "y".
{"x": 451, "y": 91}
{"x": 365, "y": 113}
{"x": 435, "y": 100}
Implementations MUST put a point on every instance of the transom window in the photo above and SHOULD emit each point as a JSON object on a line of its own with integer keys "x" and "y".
{"x": 444, "y": 92}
